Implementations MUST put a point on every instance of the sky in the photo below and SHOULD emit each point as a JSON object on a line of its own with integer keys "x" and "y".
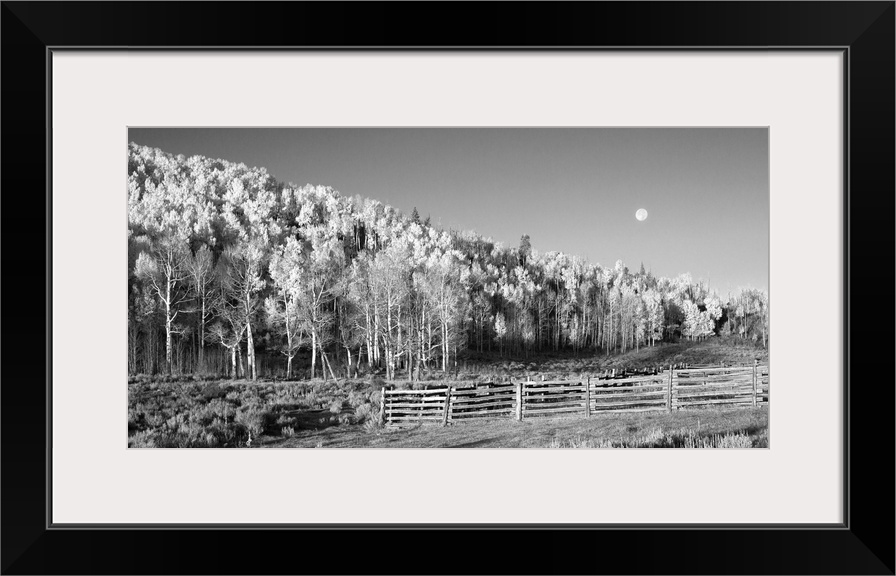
{"x": 573, "y": 190}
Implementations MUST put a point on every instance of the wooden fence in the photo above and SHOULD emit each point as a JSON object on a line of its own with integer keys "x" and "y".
{"x": 672, "y": 389}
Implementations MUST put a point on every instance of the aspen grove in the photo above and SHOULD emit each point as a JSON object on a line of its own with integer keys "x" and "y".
{"x": 233, "y": 273}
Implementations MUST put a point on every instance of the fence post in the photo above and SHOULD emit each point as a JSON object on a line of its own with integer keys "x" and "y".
{"x": 447, "y": 404}
{"x": 588, "y": 397}
{"x": 669, "y": 392}
{"x": 755, "y": 364}
{"x": 519, "y": 401}
{"x": 383, "y": 405}
{"x": 422, "y": 403}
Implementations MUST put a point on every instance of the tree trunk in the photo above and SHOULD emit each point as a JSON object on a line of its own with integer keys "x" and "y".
{"x": 421, "y": 335}
{"x": 444, "y": 348}
{"x": 202, "y": 338}
{"x": 387, "y": 350}
{"x": 233, "y": 375}
{"x": 313, "y": 351}
{"x": 376, "y": 333}
{"x": 428, "y": 343}
{"x": 323, "y": 364}
{"x": 250, "y": 352}
{"x": 149, "y": 352}
{"x": 326, "y": 365}
{"x": 369, "y": 344}
{"x": 168, "y": 327}
{"x": 132, "y": 347}
{"x": 387, "y": 342}
{"x": 417, "y": 367}
{"x": 398, "y": 329}
{"x": 289, "y": 348}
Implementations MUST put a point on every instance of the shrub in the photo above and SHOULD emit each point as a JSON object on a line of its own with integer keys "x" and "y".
{"x": 656, "y": 438}
{"x": 143, "y": 439}
{"x": 133, "y": 419}
{"x": 283, "y": 420}
{"x": 288, "y": 431}
{"x": 203, "y": 416}
{"x": 181, "y": 411}
{"x": 728, "y": 441}
{"x": 212, "y": 391}
{"x": 373, "y": 424}
{"x": 155, "y": 418}
{"x": 228, "y": 433}
{"x": 363, "y": 412}
{"x": 356, "y": 398}
{"x": 254, "y": 418}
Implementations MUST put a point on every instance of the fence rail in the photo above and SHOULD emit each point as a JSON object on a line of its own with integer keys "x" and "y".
{"x": 668, "y": 390}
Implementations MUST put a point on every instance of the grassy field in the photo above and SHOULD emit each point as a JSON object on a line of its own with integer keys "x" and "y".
{"x": 190, "y": 412}
{"x": 730, "y": 428}
{"x": 707, "y": 352}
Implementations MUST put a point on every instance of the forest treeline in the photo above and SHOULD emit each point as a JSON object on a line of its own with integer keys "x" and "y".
{"x": 233, "y": 273}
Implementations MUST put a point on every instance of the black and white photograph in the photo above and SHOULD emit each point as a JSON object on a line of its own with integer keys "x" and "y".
{"x": 551, "y": 231}
{"x": 448, "y": 287}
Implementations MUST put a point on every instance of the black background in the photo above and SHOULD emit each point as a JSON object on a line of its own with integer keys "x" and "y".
{"x": 865, "y": 545}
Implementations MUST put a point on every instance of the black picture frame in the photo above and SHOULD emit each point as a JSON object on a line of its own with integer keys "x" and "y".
{"x": 864, "y": 31}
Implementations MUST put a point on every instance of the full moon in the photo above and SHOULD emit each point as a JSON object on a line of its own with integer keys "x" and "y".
{"x": 641, "y": 214}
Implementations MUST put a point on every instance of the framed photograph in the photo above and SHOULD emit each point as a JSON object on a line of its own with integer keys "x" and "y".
{"x": 520, "y": 231}
{"x": 273, "y": 315}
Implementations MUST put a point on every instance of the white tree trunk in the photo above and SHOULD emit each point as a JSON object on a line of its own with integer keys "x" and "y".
{"x": 421, "y": 356}
{"x": 444, "y": 347}
{"x": 398, "y": 329}
{"x": 250, "y": 352}
{"x": 289, "y": 348}
{"x": 376, "y": 332}
{"x": 390, "y": 360}
{"x": 325, "y": 365}
{"x": 313, "y": 351}
{"x": 168, "y": 319}
{"x": 369, "y": 343}
{"x": 202, "y": 338}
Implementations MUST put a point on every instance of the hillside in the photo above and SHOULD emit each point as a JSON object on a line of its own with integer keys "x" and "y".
{"x": 234, "y": 273}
